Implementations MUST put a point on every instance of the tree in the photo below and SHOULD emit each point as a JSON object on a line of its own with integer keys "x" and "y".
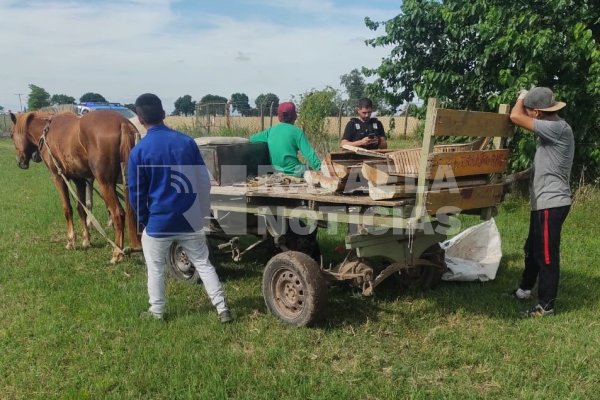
{"x": 184, "y": 106}
{"x": 93, "y": 97}
{"x": 478, "y": 54}
{"x": 268, "y": 103}
{"x": 131, "y": 106}
{"x": 38, "y": 98}
{"x": 356, "y": 88}
{"x": 61, "y": 99}
{"x": 239, "y": 102}
{"x": 212, "y": 104}
{"x": 315, "y": 107}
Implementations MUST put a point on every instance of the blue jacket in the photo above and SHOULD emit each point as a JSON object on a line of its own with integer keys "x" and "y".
{"x": 168, "y": 183}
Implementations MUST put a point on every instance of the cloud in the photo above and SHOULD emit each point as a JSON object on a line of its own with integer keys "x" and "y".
{"x": 122, "y": 48}
{"x": 242, "y": 56}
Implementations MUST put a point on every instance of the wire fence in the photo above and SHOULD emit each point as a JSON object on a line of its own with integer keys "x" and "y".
{"x": 5, "y": 125}
{"x": 217, "y": 116}
{"x": 212, "y": 118}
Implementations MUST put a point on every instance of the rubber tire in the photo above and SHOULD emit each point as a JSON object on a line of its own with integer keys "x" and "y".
{"x": 428, "y": 276}
{"x": 300, "y": 275}
{"x": 179, "y": 266}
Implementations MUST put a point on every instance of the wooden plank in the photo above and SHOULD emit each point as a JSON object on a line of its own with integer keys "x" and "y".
{"x": 426, "y": 150}
{"x": 386, "y": 192}
{"x": 500, "y": 142}
{"x": 339, "y": 170}
{"x": 471, "y": 123}
{"x": 459, "y": 182}
{"x": 335, "y": 168}
{"x": 378, "y": 173}
{"x": 408, "y": 188}
{"x": 312, "y": 177}
{"x": 394, "y": 219}
{"x": 306, "y": 194}
{"x": 332, "y": 184}
{"x": 466, "y": 163}
{"x": 364, "y": 152}
{"x": 468, "y": 198}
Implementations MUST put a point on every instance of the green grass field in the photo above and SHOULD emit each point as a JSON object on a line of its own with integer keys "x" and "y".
{"x": 70, "y": 326}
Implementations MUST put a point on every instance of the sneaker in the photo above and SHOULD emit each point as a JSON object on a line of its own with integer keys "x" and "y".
{"x": 521, "y": 294}
{"x": 151, "y": 315}
{"x": 225, "y": 317}
{"x": 538, "y": 311}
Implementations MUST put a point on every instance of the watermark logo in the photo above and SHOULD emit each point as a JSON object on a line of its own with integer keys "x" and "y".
{"x": 178, "y": 197}
{"x": 180, "y": 183}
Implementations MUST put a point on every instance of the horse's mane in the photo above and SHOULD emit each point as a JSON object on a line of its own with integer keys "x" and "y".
{"x": 21, "y": 125}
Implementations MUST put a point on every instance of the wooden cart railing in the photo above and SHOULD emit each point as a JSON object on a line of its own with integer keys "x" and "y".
{"x": 433, "y": 165}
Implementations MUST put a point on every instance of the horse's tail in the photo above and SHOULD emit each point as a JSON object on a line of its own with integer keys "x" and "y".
{"x": 128, "y": 135}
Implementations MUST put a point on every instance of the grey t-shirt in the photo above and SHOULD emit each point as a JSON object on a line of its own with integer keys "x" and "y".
{"x": 549, "y": 186}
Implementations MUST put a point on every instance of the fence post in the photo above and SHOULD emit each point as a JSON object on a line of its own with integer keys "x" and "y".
{"x": 406, "y": 118}
{"x": 197, "y": 122}
{"x": 208, "y": 121}
{"x": 262, "y": 117}
{"x": 227, "y": 121}
{"x": 340, "y": 121}
{"x": 271, "y": 115}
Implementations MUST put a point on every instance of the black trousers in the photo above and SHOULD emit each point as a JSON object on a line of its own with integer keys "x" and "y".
{"x": 542, "y": 253}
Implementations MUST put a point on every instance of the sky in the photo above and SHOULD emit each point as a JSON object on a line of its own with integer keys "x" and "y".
{"x": 123, "y": 48}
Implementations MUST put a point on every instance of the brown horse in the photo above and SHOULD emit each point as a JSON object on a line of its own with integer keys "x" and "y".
{"x": 90, "y": 147}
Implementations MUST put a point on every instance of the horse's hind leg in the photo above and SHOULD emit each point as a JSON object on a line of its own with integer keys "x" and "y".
{"x": 63, "y": 191}
{"x": 117, "y": 215}
{"x": 82, "y": 188}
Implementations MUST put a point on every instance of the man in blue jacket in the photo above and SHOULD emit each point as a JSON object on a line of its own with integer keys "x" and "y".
{"x": 169, "y": 188}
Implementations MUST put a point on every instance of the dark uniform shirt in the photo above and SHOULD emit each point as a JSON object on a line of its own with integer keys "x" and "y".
{"x": 356, "y": 129}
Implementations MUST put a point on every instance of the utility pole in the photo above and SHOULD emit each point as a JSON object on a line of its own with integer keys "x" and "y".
{"x": 20, "y": 102}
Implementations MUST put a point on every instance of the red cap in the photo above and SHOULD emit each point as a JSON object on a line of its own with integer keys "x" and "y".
{"x": 286, "y": 112}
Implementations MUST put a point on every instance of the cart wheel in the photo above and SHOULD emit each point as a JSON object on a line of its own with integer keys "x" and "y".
{"x": 424, "y": 276}
{"x": 294, "y": 288}
{"x": 181, "y": 268}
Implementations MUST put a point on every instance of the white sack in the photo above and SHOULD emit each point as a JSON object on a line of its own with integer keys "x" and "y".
{"x": 473, "y": 254}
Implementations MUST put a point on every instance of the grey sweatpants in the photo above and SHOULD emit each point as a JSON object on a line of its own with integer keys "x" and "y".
{"x": 156, "y": 251}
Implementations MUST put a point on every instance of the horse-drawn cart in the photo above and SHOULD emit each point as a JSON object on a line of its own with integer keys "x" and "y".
{"x": 413, "y": 198}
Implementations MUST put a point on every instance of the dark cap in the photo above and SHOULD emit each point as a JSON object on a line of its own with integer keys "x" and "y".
{"x": 286, "y": 112}
{"x": 542, "y": 98}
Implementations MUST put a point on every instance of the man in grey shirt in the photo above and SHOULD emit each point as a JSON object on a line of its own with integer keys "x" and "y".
{"x": 550, "y": 193}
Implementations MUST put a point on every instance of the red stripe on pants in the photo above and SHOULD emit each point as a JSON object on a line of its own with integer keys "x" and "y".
{"x": 546, "y": 238}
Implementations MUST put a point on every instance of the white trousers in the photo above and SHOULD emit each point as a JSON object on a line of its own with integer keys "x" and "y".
{"x": 156, "y": 251}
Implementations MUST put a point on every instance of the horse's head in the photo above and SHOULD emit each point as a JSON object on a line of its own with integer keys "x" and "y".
{"x": 24, "y": 139}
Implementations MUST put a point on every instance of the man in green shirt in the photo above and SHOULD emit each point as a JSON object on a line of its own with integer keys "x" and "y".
{"x": 285, "y": 140}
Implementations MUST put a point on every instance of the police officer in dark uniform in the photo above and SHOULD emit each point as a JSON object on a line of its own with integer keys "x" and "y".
{"x": 364, "y": 131}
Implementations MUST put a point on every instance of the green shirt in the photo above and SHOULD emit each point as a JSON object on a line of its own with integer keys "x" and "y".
{"x": 284, "y": 141}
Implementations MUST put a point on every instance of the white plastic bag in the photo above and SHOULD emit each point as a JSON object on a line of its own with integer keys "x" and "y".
{"x": 473, "y": 254}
